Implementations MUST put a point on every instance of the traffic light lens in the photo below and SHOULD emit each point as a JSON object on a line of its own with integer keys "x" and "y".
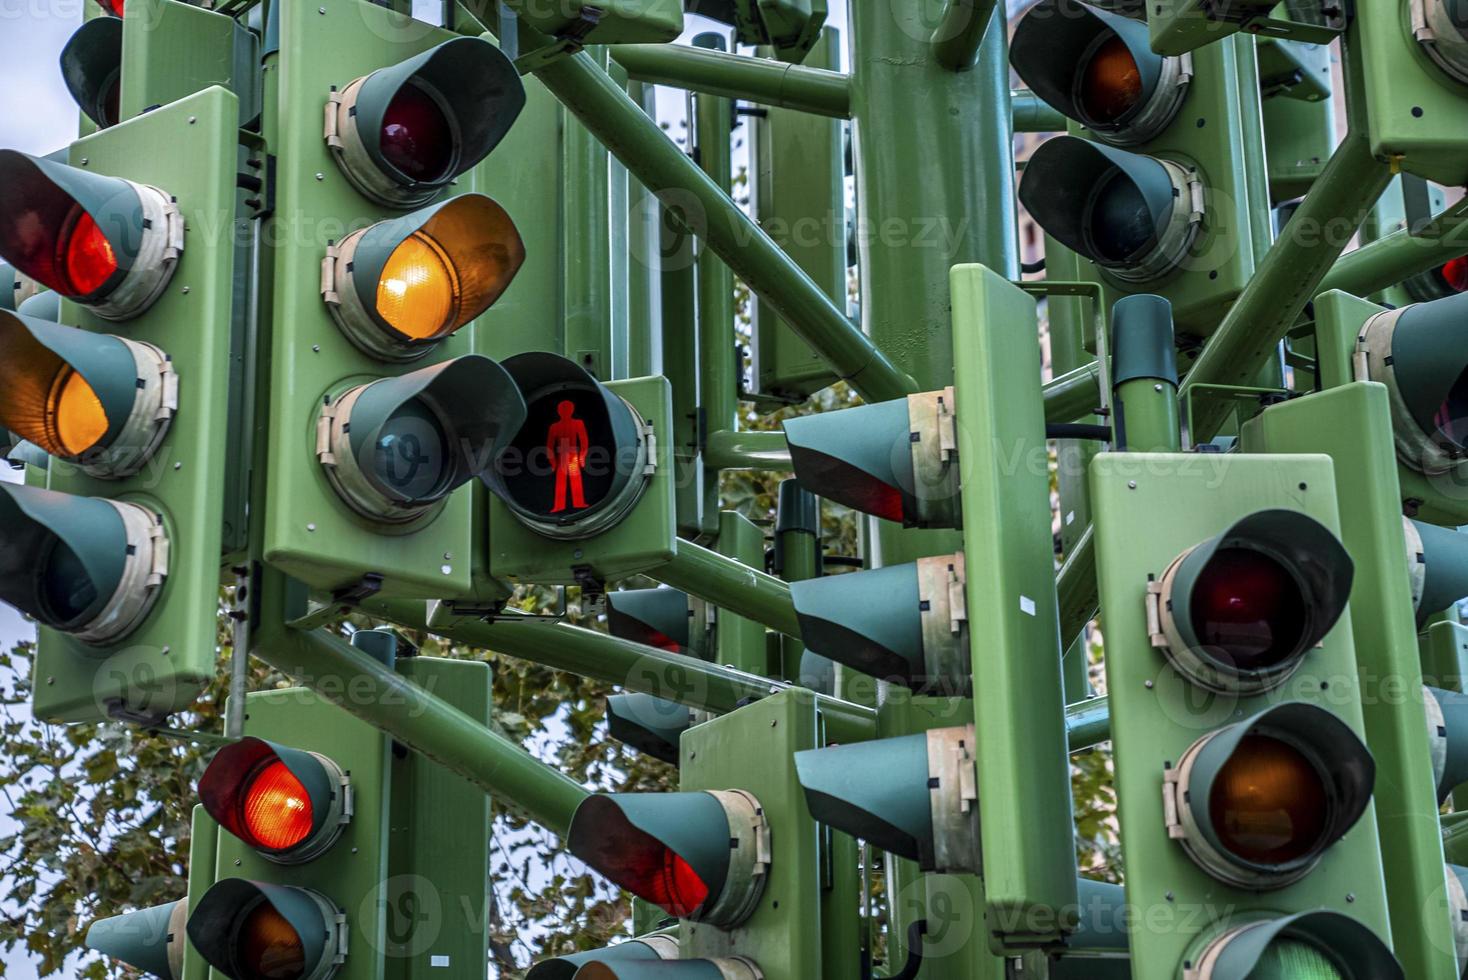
{"x": 416, "y": 136}
{"x": 67, "y": 591}
{"x": 1111, "y": 83}
{"x": 418, "y": 292}
{"x": 674, "y": 886}
{"x": 89, "y": 260}
{"x": 412, "y": 453}
{"x": 277, "y": 809}
{"x": 1290, "y": 959}
{"x": 1120, "y": 223}
{"x": 1268, "y": 803}
{"x": 77, "y": 415}
{"x": 1248, "y": 608}
{"x": 1455, "y": 274}
{"x": 270, "y": 948}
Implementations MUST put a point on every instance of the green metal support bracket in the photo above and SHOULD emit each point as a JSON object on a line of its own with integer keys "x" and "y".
{"x": 733, "y": 76}
{"x": 729, "y": 584}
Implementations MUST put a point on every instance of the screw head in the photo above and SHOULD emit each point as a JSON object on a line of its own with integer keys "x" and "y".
{"x": 310, "y": 527}
{"x": 1131, "y": 484}
{"x": 1148, "y": 685}
{"x": 320, "y": 175}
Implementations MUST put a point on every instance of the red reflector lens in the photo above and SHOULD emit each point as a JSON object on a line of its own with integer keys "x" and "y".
{"x": 1455, "y": 274}
{"x": 88, "y": 260}
{"x": 673, "y": 886}
{"x": 277, "y": 808}
{"x": 661, "y": 640}
{"x": 1111, "y": 84}
{"x": 416, "y": 136}
{"x": 269, "y": 947}
{"x": 113, "y": 7}
{"x": 1247, "y": 608}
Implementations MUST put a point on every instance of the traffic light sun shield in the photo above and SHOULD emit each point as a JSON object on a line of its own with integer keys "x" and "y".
{"x": 1135, "y": 216}
{"x": 251, "y": 930}
{"x": 87, "y": 566}
{"x": 91, "y": 66}
{"x": 401, "y": 134}
{"x": 151, "y": 940}
{"x": 104, "y": 242}
{"x": 1257, "y": 803}
{"x": 104, "y": 402}
{"x": 394, "y": 449}
{"x": 287, "y": 804}
{"x": 702, "y": 856}
{"x": 400, "y": 286}
{"x": 1239, "y": 612}
{"x": 1098, "y": 68}
{"x": 1327, "y": 943}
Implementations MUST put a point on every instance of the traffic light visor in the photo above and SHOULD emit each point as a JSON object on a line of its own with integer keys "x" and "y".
{"x": 1319, "y": 945}
{"x": 1259, "y": 801}
{"x": 644, "y": 949}
{"x": 654, "y": 617}
{"x": 102, "y": 241}
{"x": 287, "y": 804}
{"x": 1430, "y": 366}
{"x": 403, "y": 132}
{"x": 251, "y": 930}
{"x": 648, "y": 724}
{"x": 91, "y": 66}
{"x": 858, "y": 457}
{"x": 151, "y": 940}
{"x": 869, "y": 620}
{"x": 399, "y": 286}
{"x": 1240, "y": 611}
{"x": 876, "y": 791}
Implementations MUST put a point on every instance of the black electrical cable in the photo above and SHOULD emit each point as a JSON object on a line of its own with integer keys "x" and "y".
{"x": 915, "y": 934}
{"x": 1077, "y": 430}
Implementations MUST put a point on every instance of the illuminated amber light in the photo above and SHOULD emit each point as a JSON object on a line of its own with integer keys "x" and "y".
{"x": 1268, "y": 802}
{"x": 1111, "y": 83}
{"x": 78, "y": 420}
{"x": 89, "y": 261}
{"x": 277, "y": 808}
{"x": 418, "y": 293}
{"x": 269, "y": 948}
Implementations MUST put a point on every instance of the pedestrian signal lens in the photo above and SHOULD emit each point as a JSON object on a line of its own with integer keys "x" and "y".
{"x": 568, "y": 437}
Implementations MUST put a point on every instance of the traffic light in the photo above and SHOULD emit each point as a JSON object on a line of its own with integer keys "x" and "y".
{"x": 906, "y": 623}
{"x": 723, "y": 968}
{"x": 702, "y": 856}
{"x": 662, "y": 618}
{"x": 287, "y": 804}
{"x": 119, "y": 555}
{"x": 1448, "y": 279}
{"x": 151, "y": 940}
{"x": 1415, "y": 58}
{"x": 650, "y": 725}
{"x": 896, "y": 460}
{"x": 1437, "y": 561}
{"x": 1242, "y": 703}
{"x": 652, "y": 948}
{"x": 1153, "y": 187}
{"x": 401, "y": 134}
{"x": 1447, "y": 734}
{"x": 107, "y": 243}
{"x": 924, "y": 807}
{"x": 253, "y": 929}
{"x": 91, "y": 66}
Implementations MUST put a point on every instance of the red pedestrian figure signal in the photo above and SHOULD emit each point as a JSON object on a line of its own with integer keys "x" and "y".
{"x": 567, "y": 445}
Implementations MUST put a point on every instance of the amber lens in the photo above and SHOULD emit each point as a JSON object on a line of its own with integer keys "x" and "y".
{"x": 277, "y": 808}
{"x": 76, "y": 414}
{"x": 418, "y": 294}
{"x": 1111, "y": 83}
{"x": 1268, "y": 802}
{"x": 269, "y": 948}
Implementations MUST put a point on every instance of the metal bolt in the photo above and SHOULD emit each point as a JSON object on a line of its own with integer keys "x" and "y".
{"x": 1148, "y": 685}
{"x": 193, "y": 119}
{"x": 1170, "y": 897}
{"x": 320, "y": 175}
{"x": 1131, "y": 484}
{"x": 310, "y": 527}
{"x": 86, "y": 160}
{"x": 178, "y": 466}
{"x": 576, "y": 553}
{"x": 50, "y": 681}
{"x": 448, "y": 556}
{"x": 316, "y": 348}
{"x": 1350, "y": 896}
{"x": 447, "y": 569}
{"x": 321, "y": 10}
{"x": 1157, "y": 386}
{"x": 184, "y": 290}
{"x": 236, "y": 862}
{"x": 773, "y": 723}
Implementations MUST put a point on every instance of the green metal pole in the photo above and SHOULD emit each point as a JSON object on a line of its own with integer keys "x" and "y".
{"x": 731, "y": 450}
{"x": 773, "y": 83}
{"x": 797, "y": 554}
{"x": 586, "y": 259}
{"x": 697, "y": 201}
{"x": 1149, "y": 408}
{"x": 390, "y": 702}
{"x": 644, "y": 295}
{"x": 1075, "y": 586}
{"x": 1032, "y": 114}
{"x": 729, "y": 584}
{"x": 958, "y": 35}
{"x": 741, "y": 640}
{"x": 1288, "y": 277}
{"x": 679, "y": 288}
{"x": 1087, "y": 723}
{"x": 1074, "y": 394}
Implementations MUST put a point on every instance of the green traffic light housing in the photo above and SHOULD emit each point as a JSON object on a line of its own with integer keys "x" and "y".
{"x": 660, "y": 617}
{"x": 150, "y": 940}
{"x": 400, "y": 286}
{"x": 1097, "y": 68}
{"x": 1135, "y": 216}
{"x": 1437, "y": 563}
{"x": 403, "y": 133}
{"x": 394, "y": 449}
{"x": 897, "y": 460}
{"x": 722, "y": 968}
{"x": 644, "y": 949}
{"x": 1239, "y": 612}
{"x": 1315, "y": 944}
{"x": 288, "y": 804}
{"x": 1418, "y": 352}
{"x": 15, "y": 288}
{"x": 648, "y": 724}
{"x": 87, "y": 566}
{"x": 902, "y": 623}
{"x": 914, "y": 796}
{"x": 107, "y": 243}
{"x": 91, "y": 66}
{"x": 254, "y": 930}
{"x": 1178, "y": 26}
{"x": 583, "y": 457}
{"x": 1257, "y": 803}
{"x": 702, "y": 856}
{"x": 101, "y": 401}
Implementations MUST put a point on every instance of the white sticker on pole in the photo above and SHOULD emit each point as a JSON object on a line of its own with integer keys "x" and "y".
{"x": 1027, "y": 605}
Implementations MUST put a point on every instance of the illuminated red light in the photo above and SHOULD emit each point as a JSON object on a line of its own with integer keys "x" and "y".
{"x": 670, "y": 883}
{"x": 1455, "y": 274}
{"x": 277, "y": 809}
{"x": 88, "y": 260}
{"x": 416, "y": 136}
{"x": 113, "y": 7}
{"x": 1247, "y": 606}
{"x": 661, "y": 640}
{"x": 879, "y": 500}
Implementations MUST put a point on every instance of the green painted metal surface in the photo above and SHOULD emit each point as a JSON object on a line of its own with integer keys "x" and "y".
{"x": 162, "y": 666}
{"x": 740, "y": 641}
{"x": 171, "y": 50}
